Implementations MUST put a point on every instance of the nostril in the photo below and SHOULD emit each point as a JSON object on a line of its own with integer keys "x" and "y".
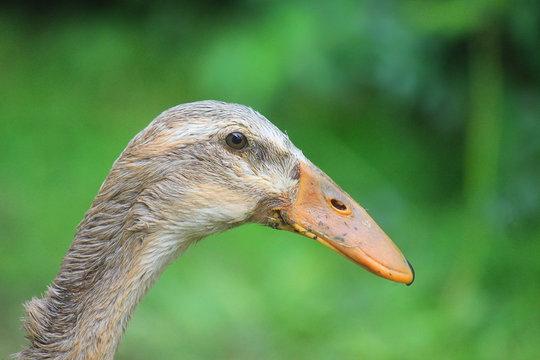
{"x": 338, "y": 205}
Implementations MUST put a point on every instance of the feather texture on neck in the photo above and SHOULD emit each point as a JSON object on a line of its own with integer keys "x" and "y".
{"x": 175, "y": 183}
{"x": 118, "y": 253}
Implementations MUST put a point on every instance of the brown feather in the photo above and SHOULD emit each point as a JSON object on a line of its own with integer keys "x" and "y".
{"x": 175, "y": 183}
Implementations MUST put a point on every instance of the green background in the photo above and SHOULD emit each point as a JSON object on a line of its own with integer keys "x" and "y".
{"x": 426, "y": 112}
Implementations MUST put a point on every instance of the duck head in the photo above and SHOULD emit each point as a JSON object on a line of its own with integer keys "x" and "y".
{"x": 209, "y": 166}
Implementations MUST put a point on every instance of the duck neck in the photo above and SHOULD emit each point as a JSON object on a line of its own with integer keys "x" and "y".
{"x": 114, "y": 259}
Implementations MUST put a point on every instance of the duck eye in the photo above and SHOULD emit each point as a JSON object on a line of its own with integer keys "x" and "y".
{"x": 236, "y": 140}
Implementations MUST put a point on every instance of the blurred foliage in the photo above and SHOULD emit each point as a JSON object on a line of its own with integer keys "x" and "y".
{"x": 426, "y": 112}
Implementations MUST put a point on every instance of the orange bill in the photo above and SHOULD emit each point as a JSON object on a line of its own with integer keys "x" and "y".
{"x": 324, "y": 212}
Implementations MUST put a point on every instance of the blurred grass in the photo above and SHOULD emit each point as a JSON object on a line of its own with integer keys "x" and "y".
{"x": 429, "y": 127}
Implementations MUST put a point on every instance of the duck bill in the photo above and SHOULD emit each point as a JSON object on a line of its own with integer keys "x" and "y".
{"x": 324, "y": 212}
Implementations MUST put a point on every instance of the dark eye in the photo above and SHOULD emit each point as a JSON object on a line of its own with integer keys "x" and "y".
{"x": 236, "y": 140}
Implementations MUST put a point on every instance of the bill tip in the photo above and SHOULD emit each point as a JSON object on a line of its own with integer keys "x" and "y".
{"x": 412, "y": 270}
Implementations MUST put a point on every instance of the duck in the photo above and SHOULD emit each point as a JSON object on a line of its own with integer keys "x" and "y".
{"x": 197, "y": 169}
